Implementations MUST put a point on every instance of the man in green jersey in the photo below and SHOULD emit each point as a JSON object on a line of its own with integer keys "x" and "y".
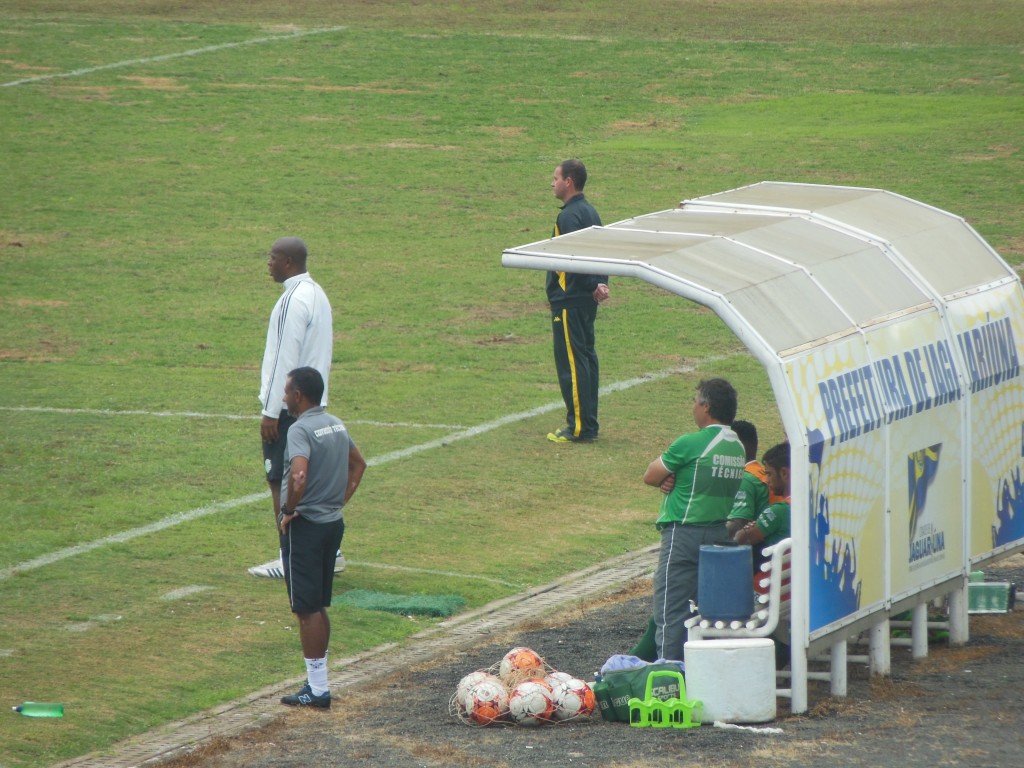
{"x": 772, "y": 526}
{"x": 704, "y": 468}
{"x": 751, "y": 498}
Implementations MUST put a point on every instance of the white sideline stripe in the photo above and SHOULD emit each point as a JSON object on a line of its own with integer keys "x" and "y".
{"x": 222, "y": 506}
{"x": 521, "y": 416}
{"x": 198, "y": 415}
{"x": 450, "y": 574}
{"x": 134, "y": 533}
{"x": 79, "y": 626}
{"x": 178, "y": 594}
{"x": 410, "y": 424}
{"x": 169, "y": 56}
{"x": 85, "y": 626}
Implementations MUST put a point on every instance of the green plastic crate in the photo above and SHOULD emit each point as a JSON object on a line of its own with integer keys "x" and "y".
{"x": 990, "y": 597}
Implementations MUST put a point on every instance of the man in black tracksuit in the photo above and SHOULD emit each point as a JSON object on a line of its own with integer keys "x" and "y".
{"x": 574, "y": 299}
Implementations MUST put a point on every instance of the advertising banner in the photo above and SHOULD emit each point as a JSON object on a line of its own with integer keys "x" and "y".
{"x": 842, "y": 409}
{"x": 890, "y": 443}
{"x": 926, "y": 452}
{"x": 989, "y": 327}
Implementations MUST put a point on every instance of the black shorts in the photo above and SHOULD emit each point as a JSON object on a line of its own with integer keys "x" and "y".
{"x": 273, "y": 453}
{"x": 308, "y": 552}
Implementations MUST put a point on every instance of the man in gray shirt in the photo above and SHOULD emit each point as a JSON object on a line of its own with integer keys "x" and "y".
{"x": 323, "y": 469}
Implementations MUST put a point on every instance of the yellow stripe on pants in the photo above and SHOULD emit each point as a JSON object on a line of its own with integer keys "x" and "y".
{"x": 578, "y": 425}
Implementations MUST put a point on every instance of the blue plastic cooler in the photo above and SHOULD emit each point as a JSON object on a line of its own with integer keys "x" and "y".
{"x": 725, "y": 583}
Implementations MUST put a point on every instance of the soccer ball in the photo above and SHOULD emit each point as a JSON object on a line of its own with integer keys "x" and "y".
{"x": 531, "y": 703}
{"x": 519, "y": 664}
{"x": 486, "y": 702}
{"x": 573, "y": 698}
{"x": 466, "y": 685}
{"x": 555, "y": 678}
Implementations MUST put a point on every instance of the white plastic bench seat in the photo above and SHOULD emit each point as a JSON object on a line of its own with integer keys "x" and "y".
{"x": 764, "y": 620}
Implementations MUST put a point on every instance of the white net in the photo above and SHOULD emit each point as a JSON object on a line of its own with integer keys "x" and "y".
{"x": 521, "y": 689}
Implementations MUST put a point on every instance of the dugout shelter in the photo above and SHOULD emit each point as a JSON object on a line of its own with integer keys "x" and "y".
{"x": 888, "y": 330}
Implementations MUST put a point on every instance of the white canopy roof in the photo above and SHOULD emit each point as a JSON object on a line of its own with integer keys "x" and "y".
{"x": 787, "y": 266}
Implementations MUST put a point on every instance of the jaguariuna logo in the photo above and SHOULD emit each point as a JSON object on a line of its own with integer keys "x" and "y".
{"x": 925, "y": 539}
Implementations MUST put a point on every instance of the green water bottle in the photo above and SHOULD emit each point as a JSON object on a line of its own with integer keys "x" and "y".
{"x": 40, "y": 709}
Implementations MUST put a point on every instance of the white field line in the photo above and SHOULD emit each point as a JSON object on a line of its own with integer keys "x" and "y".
{"x": 134, "y": 533}
{"x": 514, "y": 417}
{"x": 223, "y": 506}
{"x": 170, "y": 56}
{"x": 409, "y": 424}
{"x": 178, "y": 594}
{"x": 197, "y": 415}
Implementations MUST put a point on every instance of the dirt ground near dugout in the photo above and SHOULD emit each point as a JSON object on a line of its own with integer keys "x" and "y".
{"x": 959, "y": 707}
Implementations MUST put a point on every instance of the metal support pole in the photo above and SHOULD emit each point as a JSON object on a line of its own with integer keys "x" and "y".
{"x": 838, "y": 668}
{"x": 919, "y": 631}
{"x": 959, "y": 633}
{"x": 798, "y": 680}
{"x": 879, "y": 662}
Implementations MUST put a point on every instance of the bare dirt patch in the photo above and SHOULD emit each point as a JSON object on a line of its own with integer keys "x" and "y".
{"x": 155, "y": 83}
{"x": 37, "y": 302}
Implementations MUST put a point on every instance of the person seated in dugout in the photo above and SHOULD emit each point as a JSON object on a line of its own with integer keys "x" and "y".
{"x": 754, "y": 494}
{"x": 772, "y": 526}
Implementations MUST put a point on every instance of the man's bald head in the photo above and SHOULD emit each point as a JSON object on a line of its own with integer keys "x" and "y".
{"x": 287, "y": 258}
{"x": 292, "y": 247}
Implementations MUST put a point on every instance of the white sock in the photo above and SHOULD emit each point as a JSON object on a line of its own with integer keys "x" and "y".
{"x": 316, "y": 675}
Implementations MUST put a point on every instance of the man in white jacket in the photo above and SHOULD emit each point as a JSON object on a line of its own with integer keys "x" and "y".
{"x": 301, "y": 333}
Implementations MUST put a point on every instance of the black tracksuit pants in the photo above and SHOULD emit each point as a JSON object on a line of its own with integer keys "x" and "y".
{"x": 576, "y": 363}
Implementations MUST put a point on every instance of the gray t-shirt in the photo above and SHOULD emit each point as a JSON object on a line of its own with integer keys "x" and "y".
{"x": 323, "y": 440}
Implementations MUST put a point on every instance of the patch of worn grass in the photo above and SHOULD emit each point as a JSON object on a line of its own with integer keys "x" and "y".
{"x": 1003, "y": 626}
{"x": 946, "y": 660}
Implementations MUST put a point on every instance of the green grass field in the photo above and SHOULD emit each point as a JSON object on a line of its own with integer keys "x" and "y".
{"x": 151, "y": 154}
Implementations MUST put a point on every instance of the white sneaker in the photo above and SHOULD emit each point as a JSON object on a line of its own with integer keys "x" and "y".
{"x": 272, "y": 570}
{"x": 275, "y": 570}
